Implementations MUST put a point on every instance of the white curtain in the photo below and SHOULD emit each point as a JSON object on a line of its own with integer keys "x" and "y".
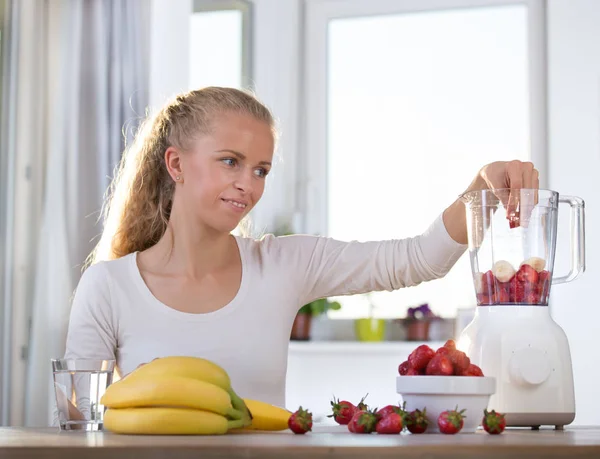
{"x": 82, "y": 78}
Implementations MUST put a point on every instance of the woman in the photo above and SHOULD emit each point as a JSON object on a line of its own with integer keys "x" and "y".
{"x": 168, "y": 278}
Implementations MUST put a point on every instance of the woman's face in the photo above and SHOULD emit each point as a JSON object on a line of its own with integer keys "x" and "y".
{"x": 222, "y": 176}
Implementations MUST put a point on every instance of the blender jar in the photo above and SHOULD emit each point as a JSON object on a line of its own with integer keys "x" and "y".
{"x": 512, "y": 243}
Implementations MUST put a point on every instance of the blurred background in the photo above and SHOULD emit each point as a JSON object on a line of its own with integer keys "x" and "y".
{"x": 387, "y": 109}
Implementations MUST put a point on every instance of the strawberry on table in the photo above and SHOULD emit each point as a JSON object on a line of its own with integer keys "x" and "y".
{"x": 416, "y": 421}
{"x": 389, "y": 409}
{"x": 362, "y": 405}
{"x": 451, "y": 422}
{"x": 493, "y": 423}
{"x": 392, "y": 423}
{"x": 363, "y": 422}
{"x": 342, "y": 411}
{"x": 300, "y": 422}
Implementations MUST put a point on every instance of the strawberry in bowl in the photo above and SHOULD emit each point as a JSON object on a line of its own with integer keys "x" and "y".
{"x": 441, "y": 380}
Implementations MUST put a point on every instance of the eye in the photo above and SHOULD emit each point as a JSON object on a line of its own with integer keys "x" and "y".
{"x": 261, "y": 172}
{"x": 229, "y": 161}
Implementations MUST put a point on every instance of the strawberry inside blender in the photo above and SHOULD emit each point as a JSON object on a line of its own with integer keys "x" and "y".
{"x": 505, "y": 285}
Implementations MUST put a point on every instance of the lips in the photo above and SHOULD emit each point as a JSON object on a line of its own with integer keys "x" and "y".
{"x": 236, "y": 203}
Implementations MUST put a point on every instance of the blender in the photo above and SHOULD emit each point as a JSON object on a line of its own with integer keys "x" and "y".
{"x": 512, "y": 242}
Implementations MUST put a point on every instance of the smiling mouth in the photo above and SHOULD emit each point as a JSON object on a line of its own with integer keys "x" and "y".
{"x": 237, "y": 204}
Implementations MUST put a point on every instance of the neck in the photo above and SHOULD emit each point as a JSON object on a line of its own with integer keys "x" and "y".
{"x": 192, "y": 249}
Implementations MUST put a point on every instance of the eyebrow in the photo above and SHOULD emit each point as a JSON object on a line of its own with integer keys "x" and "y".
{"x": 242, "y": 156}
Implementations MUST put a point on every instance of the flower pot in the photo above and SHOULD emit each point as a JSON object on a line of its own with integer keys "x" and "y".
{"x": 417, "y": 330}
{"x": 369, "y": 329}
{"x": 301, "y": 327}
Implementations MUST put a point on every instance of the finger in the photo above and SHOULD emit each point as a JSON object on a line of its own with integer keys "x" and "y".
{"x": 515, "y": 181}
{"x": 527, "y": 174}
{"x": 536, "y": 185}
{"x": 528, "y": 197}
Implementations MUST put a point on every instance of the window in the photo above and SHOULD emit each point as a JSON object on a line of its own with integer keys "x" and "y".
{"x": 414, "y": 102}
{"x": 220, "y": 44}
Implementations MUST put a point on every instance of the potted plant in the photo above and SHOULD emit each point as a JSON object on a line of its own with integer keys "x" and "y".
{"x": 370, "y": 328}
{"x": 303, "y": 320}
{"x": 417, "y": 322}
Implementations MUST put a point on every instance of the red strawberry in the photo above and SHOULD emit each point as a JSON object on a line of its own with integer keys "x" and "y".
{"x": 503, "y": 292}
{"x": 527, "y": 273}
{"x": 451, "y": 422}
{"x": 388, "y": 409}
{"x": 442, "y": 350}
{"x": 473, "y": 370}
{"x": 390, "y": 424}
{"x": 403, "y": 368}
{"x": 459, "y": 360}
{"x": 300, "y": 422}
{"x": 493, "y": 423}
{"x": 363, "y": 422}
{"x": 416, "y": 421}
{"x": 485, "y": 300}
{"x": 413, "y": 372}
{"x": 488, "y": 284}
{"x": 440, "y": 365}
{"x": 420, "y": 357}
{"x": 532, "y": 298}
{"x": 544, "y": 286}
{"x": 342, "y": 411}
{"x": 517, "y": 291}
{"x": 362, "y": 405}
{"x": 450, "y": 344}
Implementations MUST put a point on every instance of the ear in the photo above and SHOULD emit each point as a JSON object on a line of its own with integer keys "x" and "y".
{"x": 174, "y": 163}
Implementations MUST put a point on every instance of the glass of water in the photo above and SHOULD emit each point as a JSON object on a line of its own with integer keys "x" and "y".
{"x": 79, "y": 384}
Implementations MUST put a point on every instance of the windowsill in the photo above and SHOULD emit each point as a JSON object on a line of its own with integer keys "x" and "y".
{"x": 364, "y": 347}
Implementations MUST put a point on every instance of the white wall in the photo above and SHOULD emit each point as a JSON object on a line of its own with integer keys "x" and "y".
{"x": 574, "y": 164}
{"x": 169, "y": 45}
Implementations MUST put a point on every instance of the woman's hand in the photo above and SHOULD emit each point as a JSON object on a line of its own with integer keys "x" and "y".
{"x": 501, "y": 174}
{"x": 513, "y": 174}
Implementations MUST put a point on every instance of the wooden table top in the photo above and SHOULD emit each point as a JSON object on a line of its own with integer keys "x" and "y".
{"x": 324, "y": 441}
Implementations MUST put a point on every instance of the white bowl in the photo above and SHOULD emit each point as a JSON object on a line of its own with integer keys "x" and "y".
{"x": 441, "y": 393}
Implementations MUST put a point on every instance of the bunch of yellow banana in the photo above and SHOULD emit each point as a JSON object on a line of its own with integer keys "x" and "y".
{"x": 184, "y": 395}
{"x": 175, "y": 395}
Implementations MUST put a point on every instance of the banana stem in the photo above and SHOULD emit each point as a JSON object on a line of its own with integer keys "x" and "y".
{"x": 235, "y": 424}
{"x": 234, "y": 414}
{"x": 239, "y": 405}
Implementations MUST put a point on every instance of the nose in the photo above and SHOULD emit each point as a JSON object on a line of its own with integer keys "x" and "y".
{"x": 243, "y": 182}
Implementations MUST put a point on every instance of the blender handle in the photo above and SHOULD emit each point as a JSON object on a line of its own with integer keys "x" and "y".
{"x": 577, "y": 239}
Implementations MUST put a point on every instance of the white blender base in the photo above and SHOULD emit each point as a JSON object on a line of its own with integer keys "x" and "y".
{"x": 528, "y": 354}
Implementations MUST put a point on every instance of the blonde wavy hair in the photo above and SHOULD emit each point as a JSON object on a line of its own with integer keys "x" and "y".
{"x": 138, "y": 202}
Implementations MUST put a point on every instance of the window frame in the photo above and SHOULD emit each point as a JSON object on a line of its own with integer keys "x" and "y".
{"x": 246, "y": 8}
{"x": 313, "y": 186}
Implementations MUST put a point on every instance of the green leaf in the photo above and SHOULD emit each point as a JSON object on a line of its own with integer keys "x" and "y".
{"x": 320, "y": 306}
